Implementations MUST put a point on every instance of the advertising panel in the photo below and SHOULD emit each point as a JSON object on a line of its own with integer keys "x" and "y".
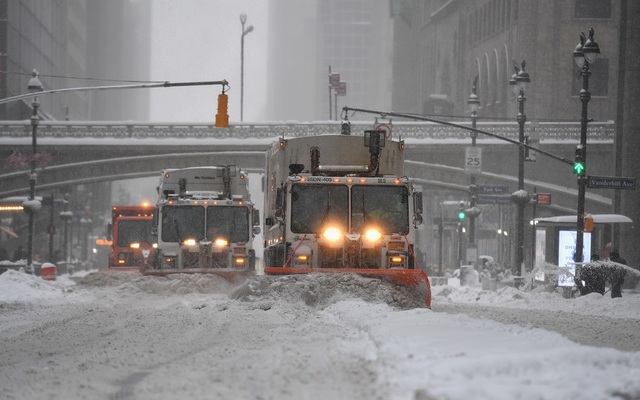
{"x": 566, "y": 249}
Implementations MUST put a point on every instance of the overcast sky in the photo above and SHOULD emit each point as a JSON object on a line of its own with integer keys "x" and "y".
{"x": 195, "y": 40}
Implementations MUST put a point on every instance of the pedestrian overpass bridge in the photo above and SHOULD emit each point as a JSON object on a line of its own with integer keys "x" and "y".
{"x": 72, "y": 153}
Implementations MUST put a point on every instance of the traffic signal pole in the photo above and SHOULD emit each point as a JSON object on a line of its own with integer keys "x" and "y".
{"x": 585, "y": 96}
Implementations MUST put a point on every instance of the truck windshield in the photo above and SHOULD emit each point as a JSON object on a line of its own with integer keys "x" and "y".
{"x": 182, "y": 222}
{"x": 228, "y": 222}
{"x": 133, "y": 231}
{"x": 313, "y": 206}
{"x": 386, "y": 207}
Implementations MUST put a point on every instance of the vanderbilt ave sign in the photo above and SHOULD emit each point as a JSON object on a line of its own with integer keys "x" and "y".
{"x": 611, "y": 182}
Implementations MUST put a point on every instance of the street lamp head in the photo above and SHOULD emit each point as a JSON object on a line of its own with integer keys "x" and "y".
{"x": 473, "y": 102}
{"x": 522, "y": 78}
{"x": 243, "y": 18}
{"x": 513, "y": 82}
{"x": 34, "y": 83}
{"x": 591, "y": 49}
{"x": 249, "y": 29}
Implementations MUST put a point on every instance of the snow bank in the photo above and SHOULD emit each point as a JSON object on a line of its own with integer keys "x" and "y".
{"x": 321, "y": 290}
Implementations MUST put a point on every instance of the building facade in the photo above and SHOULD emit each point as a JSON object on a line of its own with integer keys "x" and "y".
{"x": 352, "y": 38}
{"x": 75, "y": 43}
{"x": 442, "y": 46}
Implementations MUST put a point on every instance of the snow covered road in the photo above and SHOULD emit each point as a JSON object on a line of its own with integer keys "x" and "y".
{"x": 151, "y": 338}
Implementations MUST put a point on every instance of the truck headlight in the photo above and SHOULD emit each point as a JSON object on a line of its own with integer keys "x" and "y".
{"x": 372, "y": 234}
{"x": 332, "y": 234}
{"x": 221, "y": 242}
{"x": 189, "y": 242}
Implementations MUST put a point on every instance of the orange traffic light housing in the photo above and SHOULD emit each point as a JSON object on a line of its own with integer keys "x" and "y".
{"x": 588, "y": 223}
{"x": 222, "y": 117}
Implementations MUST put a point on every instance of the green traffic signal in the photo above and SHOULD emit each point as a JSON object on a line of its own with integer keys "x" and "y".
{"x": 579, "y": 167}
{"x": 461, "y": 215}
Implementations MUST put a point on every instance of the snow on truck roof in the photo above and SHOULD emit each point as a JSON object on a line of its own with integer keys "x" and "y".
{"x": 597, "y": 219}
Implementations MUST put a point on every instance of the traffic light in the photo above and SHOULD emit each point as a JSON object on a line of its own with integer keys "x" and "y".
{"x": 462, "y": 214}
{"x": 222, "y": 117}
{"x": 588, "y": 223}
{"x": 345, "y": 128}
{"x": 579, "y": 167}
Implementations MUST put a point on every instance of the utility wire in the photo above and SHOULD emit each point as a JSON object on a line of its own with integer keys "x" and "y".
{"x": 80, "y": 78}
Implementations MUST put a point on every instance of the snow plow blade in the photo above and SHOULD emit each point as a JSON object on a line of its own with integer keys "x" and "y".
{"x": 119, "y": 269}
{"x": 233, "y": 276}
{"x": 405, "y": 277}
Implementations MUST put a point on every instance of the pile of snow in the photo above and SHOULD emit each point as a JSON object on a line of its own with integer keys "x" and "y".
{"x": 181, "y": 284}
{"x": 626, "y": 306}
{"x": 18, "y": 286}
{"x": 322, "y": 290}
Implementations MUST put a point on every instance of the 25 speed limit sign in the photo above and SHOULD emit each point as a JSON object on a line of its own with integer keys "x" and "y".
{"x": 473, "y": 160}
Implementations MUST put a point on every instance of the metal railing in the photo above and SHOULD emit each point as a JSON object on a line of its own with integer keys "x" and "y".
{"x": 547, "y": 131}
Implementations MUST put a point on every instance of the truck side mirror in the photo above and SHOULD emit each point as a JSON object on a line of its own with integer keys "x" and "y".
{"x": 255, "y": 215}
{"x": 279, "y": 203}
{"x": 417, "y": 209}
{"x": 417, "y": 202}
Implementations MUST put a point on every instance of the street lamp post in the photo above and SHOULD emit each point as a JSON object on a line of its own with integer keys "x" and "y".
{"x": 584, "y": 54}
{"x": 473, "y": 211}
{"x": 519, "y": 82}
{"x": 32, "y": 206}
{"x": 243, "y": 20}
{"x": 66, "y": 216}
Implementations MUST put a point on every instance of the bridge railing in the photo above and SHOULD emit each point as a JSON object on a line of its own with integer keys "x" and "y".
{"x": 547, "y": 131}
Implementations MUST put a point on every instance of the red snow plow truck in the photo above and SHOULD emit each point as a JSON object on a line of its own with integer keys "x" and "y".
{"x": 132, "y": 242}
{"x": 341, "y": 204}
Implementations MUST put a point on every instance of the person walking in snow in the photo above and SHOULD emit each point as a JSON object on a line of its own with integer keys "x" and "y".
{"x": 616, "y": 277}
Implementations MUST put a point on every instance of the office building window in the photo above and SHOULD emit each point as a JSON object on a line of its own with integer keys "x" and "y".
{"x": 593, "y": 9}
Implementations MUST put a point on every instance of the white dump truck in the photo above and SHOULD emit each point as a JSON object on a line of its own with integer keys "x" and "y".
{"x": 205, "y": 223}
{"x": 341, "y": 204}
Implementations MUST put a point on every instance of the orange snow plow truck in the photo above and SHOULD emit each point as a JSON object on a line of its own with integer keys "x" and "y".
{"x": 341, "y": 204}
{"x": 132, "y": 243}
{"x": 206, "y": 223}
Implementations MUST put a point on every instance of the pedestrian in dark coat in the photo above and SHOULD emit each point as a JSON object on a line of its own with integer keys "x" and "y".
{"x": 616, "y": 277}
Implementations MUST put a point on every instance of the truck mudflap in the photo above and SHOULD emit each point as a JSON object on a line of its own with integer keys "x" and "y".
{"x": 231, "y": 275}
{"x": 405, "y": 277}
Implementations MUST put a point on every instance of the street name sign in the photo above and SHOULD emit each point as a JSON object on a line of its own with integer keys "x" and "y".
{"x": 498, "y": 199}
{"x": 492, "y": 189}
{"x": 611, "y": 182}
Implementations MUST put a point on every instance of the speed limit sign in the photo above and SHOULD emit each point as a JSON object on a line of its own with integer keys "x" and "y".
{"x": 473, "y": 160}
